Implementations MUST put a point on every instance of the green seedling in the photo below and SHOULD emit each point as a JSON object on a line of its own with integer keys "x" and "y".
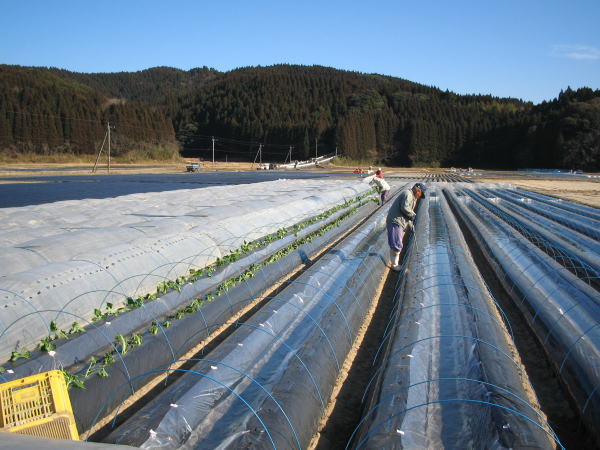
{"x": 174, "y": 285}
{"x": 25, "y": 354}
{"x": 73, "y": 380}
{"x": 46, "y": 344}
{"x": 98, "y": 315}
{"x": 191, "y": 308}
{"x": 122, "y": 310}
{"x": 108, "y": 359}
{"x": 59, "y": 333}
{"x": 153, "y": 328}
{"x": 135, "y": 340}
{"x": 90, "y": 367}
{"x": 76, "y": 328}
{"x": 121, "y": 341}
{"x": 109, "y": 310}
{"x": 162, "y": 287}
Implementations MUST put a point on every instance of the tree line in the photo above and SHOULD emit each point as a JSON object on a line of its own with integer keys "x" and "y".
{"x": 386, "y": 119}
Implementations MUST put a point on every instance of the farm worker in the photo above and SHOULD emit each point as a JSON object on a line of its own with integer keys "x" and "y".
{"x": 382, "y": 186}
{"x": 400, "y": 219}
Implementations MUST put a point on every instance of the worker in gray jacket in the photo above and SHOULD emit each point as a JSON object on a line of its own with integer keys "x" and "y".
{"x": 400, "y": 219}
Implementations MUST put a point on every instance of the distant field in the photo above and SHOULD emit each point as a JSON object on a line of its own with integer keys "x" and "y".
{"x": 580, "y": 191}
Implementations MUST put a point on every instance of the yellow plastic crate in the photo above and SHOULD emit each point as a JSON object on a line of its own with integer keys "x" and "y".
{"x": 38, "y": 405}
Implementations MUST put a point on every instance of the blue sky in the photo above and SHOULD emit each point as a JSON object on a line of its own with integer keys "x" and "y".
{"x": 524, "y": 49}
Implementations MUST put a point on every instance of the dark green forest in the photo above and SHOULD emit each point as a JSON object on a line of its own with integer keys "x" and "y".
{"x": 305, "y": 110}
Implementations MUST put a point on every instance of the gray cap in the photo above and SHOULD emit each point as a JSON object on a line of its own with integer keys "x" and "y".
{"x": 421, "y": 186}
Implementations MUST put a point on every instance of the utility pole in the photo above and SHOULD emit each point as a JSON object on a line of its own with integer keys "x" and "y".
{"x": 213, "y": 148}
{"x": 108, "y": 128}
{"x": 258, "y": 155}
{"x": 106, "y": 137}
{"x": 316, "y": 149}
{"x": 336, "y": 151}
{"x": 99, "y": 152}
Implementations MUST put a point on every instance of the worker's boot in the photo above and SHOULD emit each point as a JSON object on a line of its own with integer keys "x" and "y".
{"x": 395, "y": 260}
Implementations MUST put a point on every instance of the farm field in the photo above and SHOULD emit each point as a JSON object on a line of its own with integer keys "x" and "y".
{"x": 579, "y": 191}
{"x": 258, "y": 301}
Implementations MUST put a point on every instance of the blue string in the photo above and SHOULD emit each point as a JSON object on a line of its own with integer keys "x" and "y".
{"x": 259, "y": 385}
{"x": 553, "y": 324}
{"x": 301, "y": 283}
{"x": 387, "y": 334}
{"x": 316, "y": 324}
{"x": 107, "y": 291}
{"x": 587, "y": 401}
{"x": 294, "y": 353}
{"x": 426, "y": 339}
{"x": 44, "y": 321}
{"x": 459, "y": 400}
{"x": 100, "y": 330}
{"x": 570, "y": 349}
{"x": 195, "y": 373}
{"x": 372, "y": 409}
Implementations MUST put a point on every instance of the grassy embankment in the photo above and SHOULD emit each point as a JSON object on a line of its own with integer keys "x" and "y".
{"x": 168, "y": 154}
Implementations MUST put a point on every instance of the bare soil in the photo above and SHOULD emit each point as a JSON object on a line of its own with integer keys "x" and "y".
{"x": 31, "y": 169}
{"x": 79, "y": 168}
{"x": 344, "y": 408}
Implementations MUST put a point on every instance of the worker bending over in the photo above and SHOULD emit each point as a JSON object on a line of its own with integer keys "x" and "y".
{"x": 382, "y": 186}
{"x": 400, "y": 220}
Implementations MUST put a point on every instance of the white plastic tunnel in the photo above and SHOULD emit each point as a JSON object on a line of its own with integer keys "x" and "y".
{"x": 78, "y": 256}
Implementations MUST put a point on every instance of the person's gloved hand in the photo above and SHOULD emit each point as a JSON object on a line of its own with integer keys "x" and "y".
{"x": 410, "y": 225}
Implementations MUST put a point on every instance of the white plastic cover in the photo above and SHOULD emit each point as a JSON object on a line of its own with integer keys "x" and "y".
{"x": 61, "y": 260}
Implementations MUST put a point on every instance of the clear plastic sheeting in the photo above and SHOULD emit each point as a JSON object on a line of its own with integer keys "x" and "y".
{"x": 159, "y": 350}
{"x": 446, "y": 375}
{"x": 585, "y": 247}
{"x": 60, "y": 261}
{"x": 15, "y": 441}
{"x": 268, "y": 383}
{"x": 174, "y": 335}
{"x": 574, "y": 216}
{"x": 563, "y": 310}
{"x": 583, "y": 264}
{"x": 578, "y": 209}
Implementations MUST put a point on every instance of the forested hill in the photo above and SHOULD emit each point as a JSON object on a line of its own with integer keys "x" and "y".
{"x": 44, "y": 112}
{"x": 363, "y": 115}
{"x": 160, "y": 85}
{"x": 307, "y": 108}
